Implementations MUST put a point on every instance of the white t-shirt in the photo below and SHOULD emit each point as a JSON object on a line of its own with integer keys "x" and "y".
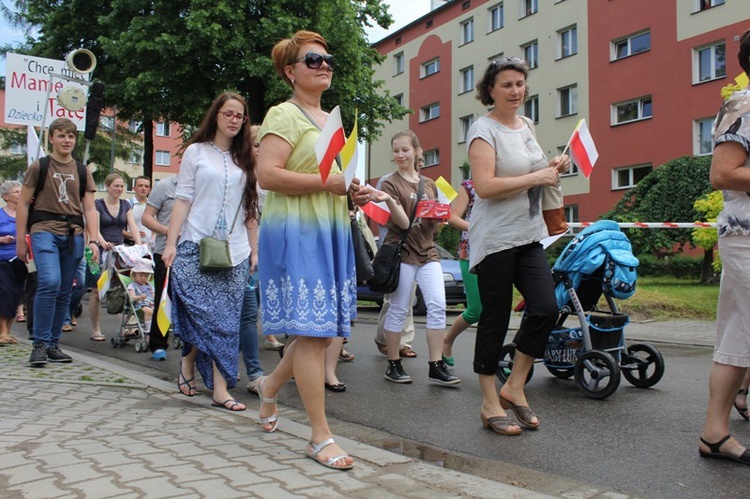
{"x": 501, "y": 224}
{"x": 138, "y": 209}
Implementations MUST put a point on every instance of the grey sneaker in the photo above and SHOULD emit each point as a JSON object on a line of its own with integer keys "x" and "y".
{"x": 54, "y": 354}
{"x": 38, "y": 355}
{"x": 439, "y": 374}
{"x": 395, "y": 373}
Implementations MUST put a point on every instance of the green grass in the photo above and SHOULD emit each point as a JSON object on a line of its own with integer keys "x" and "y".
{"x": 665, "y": 298}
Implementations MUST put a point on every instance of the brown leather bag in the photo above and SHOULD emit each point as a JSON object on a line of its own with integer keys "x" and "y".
{"x": 553, "y": 209}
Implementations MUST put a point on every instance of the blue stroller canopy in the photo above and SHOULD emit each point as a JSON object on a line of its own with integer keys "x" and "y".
{"x": 601, "y": 243}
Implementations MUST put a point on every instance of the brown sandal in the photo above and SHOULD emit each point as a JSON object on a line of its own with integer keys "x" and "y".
{"x": 500, "y": 425}
{"x": 523, "y": 413}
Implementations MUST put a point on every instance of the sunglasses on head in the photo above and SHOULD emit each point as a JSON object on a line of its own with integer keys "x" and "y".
{"x": 502, "y": 61}
{"x": 314, "y": 60}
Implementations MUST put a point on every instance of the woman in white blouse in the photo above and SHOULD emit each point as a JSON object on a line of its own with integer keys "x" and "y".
{"x": 215, "y": 197}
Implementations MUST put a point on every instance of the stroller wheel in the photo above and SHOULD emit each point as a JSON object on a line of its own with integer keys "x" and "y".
{"x": 597, "y": 374}
{"x": 561, "y": 372}
{"x": 505, "y": 366}
{"x": 138, "y": 347}
{"x": 644, "y": 365}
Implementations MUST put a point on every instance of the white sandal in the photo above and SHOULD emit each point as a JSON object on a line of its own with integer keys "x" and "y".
{"x": 273, "y": 419}
{"x": 313, "y": 450}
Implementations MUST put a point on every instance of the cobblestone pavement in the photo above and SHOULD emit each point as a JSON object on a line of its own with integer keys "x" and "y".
{"x": 90, "y": 430}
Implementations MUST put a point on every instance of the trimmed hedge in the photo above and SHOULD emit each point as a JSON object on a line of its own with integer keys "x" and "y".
{"x": 682, "y": 267}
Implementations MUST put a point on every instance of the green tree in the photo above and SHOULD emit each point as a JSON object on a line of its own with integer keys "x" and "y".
{"x": 709, "y": 206}
{"x": 667, "y": 194}
{"x": 167, "y": 59}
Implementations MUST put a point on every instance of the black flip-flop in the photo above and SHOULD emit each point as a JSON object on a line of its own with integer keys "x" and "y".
{"x": 744, "y": 412}
{"x": 338, "y": 387}
{"x": 223, "y": 405}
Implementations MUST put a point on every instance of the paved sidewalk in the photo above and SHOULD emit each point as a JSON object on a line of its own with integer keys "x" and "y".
{"x": 95, "y": 429}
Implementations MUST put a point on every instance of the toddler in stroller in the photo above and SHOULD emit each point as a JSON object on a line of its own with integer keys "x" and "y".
{"x": 132, "y": 295}
{"x": 598, "y": 261}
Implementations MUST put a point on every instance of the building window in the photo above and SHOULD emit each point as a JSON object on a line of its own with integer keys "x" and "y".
{"x": 634, "y": 110}
{"x": 709, "y": 63}
{"x": 432, "y": 157}
{"x": 567, "y": 41}
{"x": 571, "y": 213}
{"x": 529, "y": 7}
{"x": 631, "y": 45}
{"x": 162, "y": 158}
{"x": 162, "y": 129}
{"x": 106, "y": 123}
{"x": 703, "y": 140}
{"x": 430, "y": 112}
{"x": 706, "y": 4}
{"x": 497, "y": 17}
{"x": 568, "y": 98}
{"x": 466, "y": 123}
{"x": 399, "y": 99}
{"x": 467, "y": 79}
{"x": 398, "y": 63}
{"x": 135, "y": 126}
{"x": 136, "y": 157}
{"x": 430, "y": 67}
{"x": 467, "y": 31}
{"x": 625, "y": 178}
{"x": 573, "y": 170}
{"x": 531, "y": 108}
{"x": 531, "y": 54}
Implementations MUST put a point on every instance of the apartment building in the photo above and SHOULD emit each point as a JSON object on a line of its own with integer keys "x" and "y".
{"x": 645, "y": 75}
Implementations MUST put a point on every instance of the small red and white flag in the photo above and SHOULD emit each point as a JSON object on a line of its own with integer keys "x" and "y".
{"x": 377, "y": 211}
{"x": 330, "y": 142}
{"x": 582, "y": 148}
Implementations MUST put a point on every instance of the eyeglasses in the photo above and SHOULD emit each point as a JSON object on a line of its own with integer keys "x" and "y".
{"x": 229, "y": 116}
{"x": 315, "y": 61}
{"x": 502, "y": 61}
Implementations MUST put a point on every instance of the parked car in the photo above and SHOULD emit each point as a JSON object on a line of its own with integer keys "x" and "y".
{"x": 454, "y": 286}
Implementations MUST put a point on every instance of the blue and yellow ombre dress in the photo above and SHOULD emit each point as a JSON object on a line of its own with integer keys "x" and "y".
{"x": 306, "y": 258}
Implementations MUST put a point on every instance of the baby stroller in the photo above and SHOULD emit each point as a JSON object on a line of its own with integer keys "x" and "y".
{"x": 132, "y": 327}
{"x": 597, "y": 261}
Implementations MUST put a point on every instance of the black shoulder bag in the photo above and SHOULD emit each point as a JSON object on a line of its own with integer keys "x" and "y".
{"x": 387, "y": 263}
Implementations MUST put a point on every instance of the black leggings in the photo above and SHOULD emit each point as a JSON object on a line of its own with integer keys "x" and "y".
{"x": 525, "y": 267}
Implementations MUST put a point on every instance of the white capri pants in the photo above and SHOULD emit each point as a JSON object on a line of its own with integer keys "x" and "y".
{"x": 429, "y": 277}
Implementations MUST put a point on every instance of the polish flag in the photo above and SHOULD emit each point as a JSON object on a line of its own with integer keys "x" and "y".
{"x": 164, "y": 314}
{"x": 377, "y": 211}
{"x": 330, "y": 142}
{"x": 582, "y": 148}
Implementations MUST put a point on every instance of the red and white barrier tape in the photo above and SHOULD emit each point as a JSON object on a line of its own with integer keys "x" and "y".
{"x": 651, "y": 225}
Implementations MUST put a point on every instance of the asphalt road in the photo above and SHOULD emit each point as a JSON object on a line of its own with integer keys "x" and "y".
{"x": 640, "y": 442}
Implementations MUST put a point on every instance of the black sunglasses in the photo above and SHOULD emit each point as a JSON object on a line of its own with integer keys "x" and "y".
{"x": 502, "y": 61}
{"x": 314, "y": 60}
